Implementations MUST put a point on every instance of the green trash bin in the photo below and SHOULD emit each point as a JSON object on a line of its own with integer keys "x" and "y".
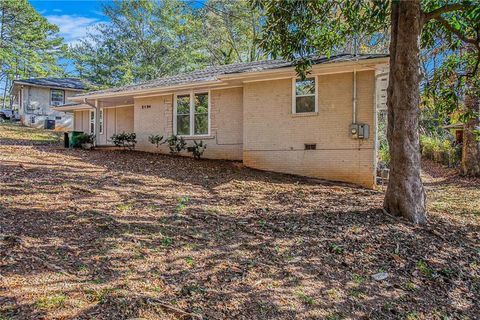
{"x": 72, "y": 139}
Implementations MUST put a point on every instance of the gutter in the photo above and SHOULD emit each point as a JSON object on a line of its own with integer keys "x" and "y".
{"x": 71, "y": 108}
{"x": 149, "y": 90}
{"x": 85, "y": 101}
{"x": 318, "y": 67}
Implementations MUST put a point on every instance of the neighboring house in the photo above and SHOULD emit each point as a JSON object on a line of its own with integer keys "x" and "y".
{"x": 457, "y": 130}
{"x": 256, "y": 112}
{"x": 35, "y": 97}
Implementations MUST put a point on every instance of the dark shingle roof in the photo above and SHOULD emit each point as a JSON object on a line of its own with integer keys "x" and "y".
{"x": 212, "y": 73}
{"x": 68, "y": 83}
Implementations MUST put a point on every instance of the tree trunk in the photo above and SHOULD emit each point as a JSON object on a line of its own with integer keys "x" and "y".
{"x": 471, "y": 146}
{"x": 405, "y": 194}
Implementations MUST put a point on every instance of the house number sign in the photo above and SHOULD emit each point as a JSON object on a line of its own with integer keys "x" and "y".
{"x": 146, "y": 106}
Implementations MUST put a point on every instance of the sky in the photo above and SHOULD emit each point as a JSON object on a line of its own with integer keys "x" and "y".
{"x": 74, "y": 18}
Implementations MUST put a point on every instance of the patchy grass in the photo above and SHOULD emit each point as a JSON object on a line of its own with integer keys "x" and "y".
{"x": 124, "y": 235}
{"x": 450, "y": 193}
{"x": 51, "y": 302}
{"x": 14, "y": 133}
{"x": 306, "y": 298}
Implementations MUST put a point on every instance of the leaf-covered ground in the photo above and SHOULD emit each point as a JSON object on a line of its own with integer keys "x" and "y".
{"x": 13, "y": 133}
{"x": 124, "y": 235}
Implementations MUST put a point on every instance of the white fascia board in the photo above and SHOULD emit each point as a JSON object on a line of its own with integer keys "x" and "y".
{"x": 71, "y": 108}
{"x": 147, "y": 91}
{"x": 324, "y": 68}
{"x": 47, "y": 87}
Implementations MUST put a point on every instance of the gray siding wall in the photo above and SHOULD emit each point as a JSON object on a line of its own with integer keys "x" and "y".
{"x": 35, "y": 108}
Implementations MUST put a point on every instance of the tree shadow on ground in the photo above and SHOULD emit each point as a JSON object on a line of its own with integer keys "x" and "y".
{"x": 205, "y": 172}
{"x": 444, "y": 176}
{"x": 128, "y": 243}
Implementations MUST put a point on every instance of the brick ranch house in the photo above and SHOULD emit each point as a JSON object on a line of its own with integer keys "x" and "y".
{"x": 256, "y": 112}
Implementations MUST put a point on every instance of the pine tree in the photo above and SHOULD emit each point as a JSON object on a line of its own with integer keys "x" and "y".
{"x": 29, "y": 44}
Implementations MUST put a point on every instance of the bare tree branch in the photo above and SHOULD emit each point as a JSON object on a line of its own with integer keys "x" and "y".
{"x": 457, "y": 32}
{"x": 444, "y": 9}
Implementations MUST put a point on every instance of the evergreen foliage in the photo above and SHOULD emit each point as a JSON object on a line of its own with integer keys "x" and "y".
{"x": 29, "y": 44}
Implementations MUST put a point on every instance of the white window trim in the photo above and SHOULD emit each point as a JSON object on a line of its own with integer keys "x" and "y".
{"x": 100, "y": 121}
{"x": 90, "y": 121}
{"x": 192, "y": 113}
{"x": 51, "y": 96}
{"x": 294, "y": 96}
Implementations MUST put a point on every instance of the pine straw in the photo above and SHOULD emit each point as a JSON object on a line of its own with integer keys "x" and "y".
{"x": 124, "y": 235}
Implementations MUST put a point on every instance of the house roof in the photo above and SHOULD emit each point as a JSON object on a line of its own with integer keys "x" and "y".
{"x": 64, "y": 83}
{"x": 213, "y": 73}
{"x": 454, "y": 126}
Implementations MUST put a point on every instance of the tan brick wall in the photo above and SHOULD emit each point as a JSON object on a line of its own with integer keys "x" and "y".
{"x": 274, "y": 138}
{"x": 225, "y": 140}
{"x": 155, "y": 120}
{"x": 227, "y": 124}
{"x": 255, "y": 123}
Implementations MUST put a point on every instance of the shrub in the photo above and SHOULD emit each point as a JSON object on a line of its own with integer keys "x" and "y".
{"x": 384, "y": 154}
{"x": 176, "y": 144}
{"x": 441, "y": 150}
{"x": 156, "y": 139}
{"x": 426, "y": 146}
{"x": 125, "y": 140}
{"x": 84, "y": 138}
{"x": 198, "y": 149}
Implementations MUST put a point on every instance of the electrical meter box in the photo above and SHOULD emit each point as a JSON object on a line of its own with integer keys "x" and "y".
{"x": 359, "y": 130}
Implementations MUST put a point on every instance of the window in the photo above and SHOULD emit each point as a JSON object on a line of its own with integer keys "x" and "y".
{"x": 57, "y": 97}
{"x": 201, "y": 114}
{"x": 183, "y": 115}
{"x": 100, "y": 121}
{"x": 92, "y": 122}
{"x": 305, "y": 96}
{"x": 191, "y": 114}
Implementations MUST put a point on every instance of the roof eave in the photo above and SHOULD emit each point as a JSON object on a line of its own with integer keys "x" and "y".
{"x": 71, "y": 108}
{"x": 81, "y": 97}
{"x": 233, "y": 76}
{"x": 45, "y": 86}
{"x": 315, "y": 68}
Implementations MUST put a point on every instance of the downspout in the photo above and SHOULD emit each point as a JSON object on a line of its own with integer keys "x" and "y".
{"x": 88, "y": 103}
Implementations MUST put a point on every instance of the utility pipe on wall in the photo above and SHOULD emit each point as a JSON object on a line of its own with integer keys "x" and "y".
{"x": 354, "y": 102}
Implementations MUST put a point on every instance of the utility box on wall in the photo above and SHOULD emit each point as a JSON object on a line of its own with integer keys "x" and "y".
{"x": 359, "y": 130}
